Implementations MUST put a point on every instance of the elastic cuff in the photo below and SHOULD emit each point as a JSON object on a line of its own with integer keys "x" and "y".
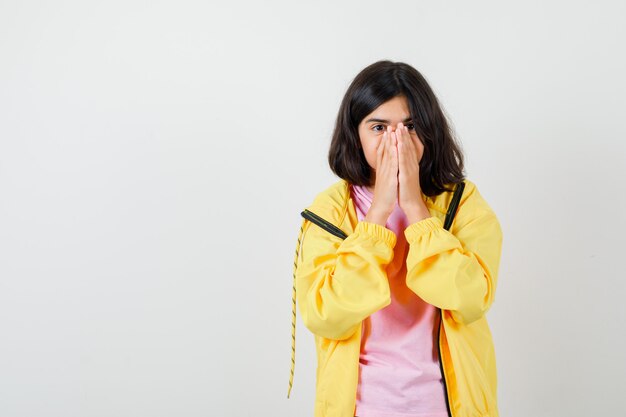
{"x": 415, "y": 230}
{"x": 378, "y": 231}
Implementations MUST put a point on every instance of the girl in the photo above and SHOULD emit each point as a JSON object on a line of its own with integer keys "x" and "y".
{"x": 394, "y": 294}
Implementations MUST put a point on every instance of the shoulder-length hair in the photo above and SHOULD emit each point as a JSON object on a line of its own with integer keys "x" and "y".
{"x": 442, "y": 160}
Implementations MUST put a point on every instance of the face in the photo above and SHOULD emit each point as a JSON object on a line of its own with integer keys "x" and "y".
{"x": 372, "y": 127}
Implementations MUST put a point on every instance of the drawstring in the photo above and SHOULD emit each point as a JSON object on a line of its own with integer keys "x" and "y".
{"x": 293, "y": 311}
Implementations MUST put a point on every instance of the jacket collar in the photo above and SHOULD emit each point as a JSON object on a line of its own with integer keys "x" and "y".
{"x": 332, "y": 203}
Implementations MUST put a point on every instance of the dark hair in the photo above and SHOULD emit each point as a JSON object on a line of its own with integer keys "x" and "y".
{"x": 442, "y": 160}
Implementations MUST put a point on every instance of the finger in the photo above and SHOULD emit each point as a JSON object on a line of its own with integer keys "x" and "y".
{"x": 387, "y": 143}
{"x": 395, "y": 154}
{"x": 380, "y": 151}
{"x": 400, "y": 138}
{"x": 406, "y": 138}
{"x": 381, "y": 144}
{"x": 418, "y": 145}
{"x": 400, "y": 131}
{"x": 406, "y": 141}
{"x": 401, "y": 143}
{"x": 396, "y": 157}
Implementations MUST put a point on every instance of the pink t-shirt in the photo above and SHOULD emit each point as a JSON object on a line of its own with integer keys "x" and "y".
{"x": 399, "y": 374}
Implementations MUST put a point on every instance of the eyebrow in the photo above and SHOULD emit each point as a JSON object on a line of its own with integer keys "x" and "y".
{"x": 408, "y": 119}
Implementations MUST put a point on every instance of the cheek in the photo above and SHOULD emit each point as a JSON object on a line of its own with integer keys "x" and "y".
{"x": 371, "y": 155}
{"x": 416, "y": 140}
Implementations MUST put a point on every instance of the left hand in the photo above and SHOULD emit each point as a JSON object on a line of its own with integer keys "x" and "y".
{"x": 410, "y": 152}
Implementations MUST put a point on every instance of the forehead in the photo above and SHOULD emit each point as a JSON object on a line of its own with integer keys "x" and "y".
{"x": 392, "y": 111}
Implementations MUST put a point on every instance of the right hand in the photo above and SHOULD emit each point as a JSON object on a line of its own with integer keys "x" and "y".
{"x": 386, "y": 186}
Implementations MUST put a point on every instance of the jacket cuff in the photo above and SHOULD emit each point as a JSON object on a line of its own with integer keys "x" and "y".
{"x": 415, "y": 230}
{"x": 377, "y": 231}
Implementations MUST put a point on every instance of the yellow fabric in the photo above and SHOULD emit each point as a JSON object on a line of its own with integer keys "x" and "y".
{"x": 340, "y": 282}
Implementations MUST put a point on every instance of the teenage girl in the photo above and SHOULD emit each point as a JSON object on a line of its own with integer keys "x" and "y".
{"x": 395, "y": 298}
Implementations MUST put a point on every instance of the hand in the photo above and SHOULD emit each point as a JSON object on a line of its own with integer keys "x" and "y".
{"x": 410, "y": 152}
{"x": 386, "y": 186}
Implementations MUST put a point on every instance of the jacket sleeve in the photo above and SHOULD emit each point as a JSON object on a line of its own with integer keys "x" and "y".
{"x": 456, "y": 271}
{"x": 340, "y": 282}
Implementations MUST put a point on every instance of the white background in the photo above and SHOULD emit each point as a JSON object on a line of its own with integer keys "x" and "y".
{"x": 155, "y": 157}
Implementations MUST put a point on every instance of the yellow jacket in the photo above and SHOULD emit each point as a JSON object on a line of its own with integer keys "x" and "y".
{"x": 339, "y": 282}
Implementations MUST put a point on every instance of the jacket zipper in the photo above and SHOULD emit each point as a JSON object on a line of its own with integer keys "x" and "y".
{"x": 443, "y": 373}
{"x": 450, "y": 214}
{"x": 324, "y": 224}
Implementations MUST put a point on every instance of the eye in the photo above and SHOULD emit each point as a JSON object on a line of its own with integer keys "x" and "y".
{"x": 375, "y": 126}
{"x": 410, "y": 126}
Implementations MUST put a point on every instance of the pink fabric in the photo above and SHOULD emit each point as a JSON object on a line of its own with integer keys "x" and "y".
{"x": 399, "y": 374}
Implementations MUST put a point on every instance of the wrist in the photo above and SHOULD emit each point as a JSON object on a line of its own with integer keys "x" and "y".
{"x": 416, "y": 213}
{"x": 378, "y": 216}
